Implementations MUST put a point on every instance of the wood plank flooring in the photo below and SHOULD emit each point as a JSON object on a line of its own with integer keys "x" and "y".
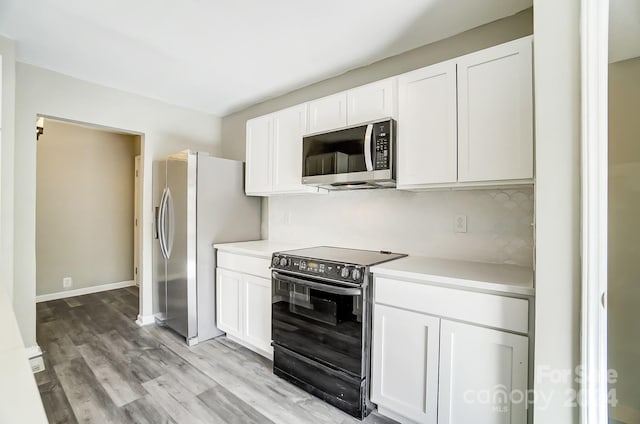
{"x": 103, "y": 368}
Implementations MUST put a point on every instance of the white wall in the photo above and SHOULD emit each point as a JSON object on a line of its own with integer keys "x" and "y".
{"x": 623, "y": 294}
{"x": 499, "y": 222}
{"x": 84, "y": 206}
{"x": 7, "y": 51}
{"x": 166, "y": 129}
{"x": 501, "y": 31}
{"x": 557, "y": 110}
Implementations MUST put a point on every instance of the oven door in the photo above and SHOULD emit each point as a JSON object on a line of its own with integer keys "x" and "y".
{"x": 319, "y": 320}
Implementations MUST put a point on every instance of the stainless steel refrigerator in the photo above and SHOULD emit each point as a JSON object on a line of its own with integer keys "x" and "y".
{"x": 198, "y": 200}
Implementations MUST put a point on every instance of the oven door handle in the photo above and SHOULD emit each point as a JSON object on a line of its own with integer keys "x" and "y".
{"x": 328, "y": 288}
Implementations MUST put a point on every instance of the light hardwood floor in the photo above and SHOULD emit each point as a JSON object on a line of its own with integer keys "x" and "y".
{"x": 102, "y": 368}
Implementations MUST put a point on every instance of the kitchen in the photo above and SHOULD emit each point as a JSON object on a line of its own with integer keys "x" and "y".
{"x": 301, "y": 218}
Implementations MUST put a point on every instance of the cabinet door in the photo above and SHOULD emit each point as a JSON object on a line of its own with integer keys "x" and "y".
{"x": 427, "y": 126}
{"x": 228, "y": 298}
{"x": 404, "y": 373}
{"x": 288, "y": 127}
{"x": 495, "y": 112}
{"x": 328, "y": 113}
{"x": 257, "y": 312}
{"x": 481, "y": 370}
{"x": 371, "y": 102}
{"x": 258, "y": 167}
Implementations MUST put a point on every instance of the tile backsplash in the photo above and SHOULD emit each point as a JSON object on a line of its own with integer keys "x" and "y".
{"x": 499, "y": 222}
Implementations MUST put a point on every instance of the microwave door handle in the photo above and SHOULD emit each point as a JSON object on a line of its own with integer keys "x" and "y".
{"x": 328, "y": 288}
{"x": 368, "y": 141}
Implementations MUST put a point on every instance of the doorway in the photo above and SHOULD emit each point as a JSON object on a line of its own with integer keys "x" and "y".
{"x": 87, "y": 198}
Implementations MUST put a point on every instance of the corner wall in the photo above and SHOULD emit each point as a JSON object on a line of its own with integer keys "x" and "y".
{"x": 165, "y": 129}
{"x": 7, "y": 51}
{"x": 558, "y": 276}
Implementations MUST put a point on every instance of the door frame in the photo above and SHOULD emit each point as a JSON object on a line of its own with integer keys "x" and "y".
{"x": 595, "y": 62}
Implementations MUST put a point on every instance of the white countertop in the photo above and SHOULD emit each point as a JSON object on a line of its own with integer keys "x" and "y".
{"x": 508, "y": 279}
{"x": 21, "y": 401}
{"x": 260, "y": 248}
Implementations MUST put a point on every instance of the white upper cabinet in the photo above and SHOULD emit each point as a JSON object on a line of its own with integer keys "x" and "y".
{"x": 328, "y": 113}
{"x": 404, "y": 367}
{"x": 274, "y": 153}
{"x": 288, "y": 127}
{"x": 366, "y": 103}
{"x": 481, "y": 372}
{"x": 259, "y": 155}
{"x": 371, "y": 102}
{"x": 495, "y": 113}
{"x": 427, "y": 127}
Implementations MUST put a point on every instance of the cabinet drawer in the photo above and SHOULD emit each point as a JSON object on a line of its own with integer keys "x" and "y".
{"x": 479, "y": 308}
{"x": 245, "y": 264}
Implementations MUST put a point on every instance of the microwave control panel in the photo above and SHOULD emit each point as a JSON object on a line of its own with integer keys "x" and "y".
{"x": 382, "y": 133}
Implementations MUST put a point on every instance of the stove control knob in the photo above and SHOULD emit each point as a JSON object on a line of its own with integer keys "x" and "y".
{"x": 356, "y": 274}
{"x": 275, "y": 261}
{"x": 345, "y": 272}
{"x": 283, "y": 261}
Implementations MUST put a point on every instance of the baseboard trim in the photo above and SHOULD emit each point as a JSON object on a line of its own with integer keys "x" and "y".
{"x": 145, "y": 320}
{"x": 33, "y": 351}
{"x": 84, "y": 290}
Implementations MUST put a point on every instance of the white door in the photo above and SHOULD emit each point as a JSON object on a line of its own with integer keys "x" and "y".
{"x": 328, "y": 113}
{"x": 258, "y": 166}
{"x": 404, "y": 374}
{"x": 481, "y": 372}
{"x": 288, "y": 127}
{"x": 257, "y": 312}
{"x": 228, "y": 301}
{"x": 372, "y": 102}
{"x": 495, "y": 113}
{"x": 427, "y": 128}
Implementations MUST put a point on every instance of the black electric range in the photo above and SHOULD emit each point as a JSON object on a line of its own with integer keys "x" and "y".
{"x": 321, "y": 322}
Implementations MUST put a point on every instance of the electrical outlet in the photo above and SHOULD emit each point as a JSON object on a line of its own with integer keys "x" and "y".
{"x": 67, "y": 282}
{"x": 37, "y": 364}
{"x": 461, "y": 224}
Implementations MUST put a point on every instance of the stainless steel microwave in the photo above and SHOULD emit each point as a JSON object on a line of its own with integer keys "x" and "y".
{"x": 361, "y": 156}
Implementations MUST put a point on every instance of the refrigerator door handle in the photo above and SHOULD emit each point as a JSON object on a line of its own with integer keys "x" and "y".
{"x": 162, "y": 225}
{"x": 169, "y": 216}
{"x": 156, "y": 221}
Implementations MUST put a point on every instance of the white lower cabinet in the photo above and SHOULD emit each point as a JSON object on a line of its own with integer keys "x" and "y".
{"x": 243, "y": 305}
{"x": 405, "y": 363}
{"x": 430, "y": 369}
{"x": 257, "y": 311}
{"x": 483, "y": 375}
{"x": 228, "y": 296}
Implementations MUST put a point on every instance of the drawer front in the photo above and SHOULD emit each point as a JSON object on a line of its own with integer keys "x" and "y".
{"x": 245, "y": 264}
{"x": 479, "y": 308}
